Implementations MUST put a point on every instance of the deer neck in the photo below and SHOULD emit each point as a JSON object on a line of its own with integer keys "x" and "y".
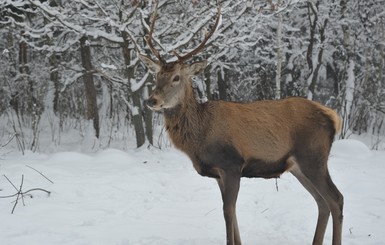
{"x": 185, "y": 122}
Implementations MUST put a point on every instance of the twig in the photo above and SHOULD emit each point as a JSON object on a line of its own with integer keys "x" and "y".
{"x": 40, "y": 173}
{"x": 10, "y": 138}
{"x": 276, "y": 184}
{"x": 10, "y": 182}
{"x": 8, "y": 196}
{"x": 210, "y": 211}
{"x": 20, "y": 194}
{"x": 37, "y": 189}
{"x": 21, "y": 189}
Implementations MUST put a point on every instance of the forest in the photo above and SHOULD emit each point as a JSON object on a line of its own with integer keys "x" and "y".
{"x": 73, "y": 65}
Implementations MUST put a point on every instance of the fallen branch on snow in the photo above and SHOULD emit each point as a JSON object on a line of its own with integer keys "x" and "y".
{"x": 40, "y": 173}
{"x": 20, "y": 193}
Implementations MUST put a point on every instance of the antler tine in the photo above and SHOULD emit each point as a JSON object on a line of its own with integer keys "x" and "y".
{"x": 149, "y": 36}
{"x": 187, "y": 56}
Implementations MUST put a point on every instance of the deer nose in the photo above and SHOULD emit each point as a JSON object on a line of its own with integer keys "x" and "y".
{"x": 151, "y": 102}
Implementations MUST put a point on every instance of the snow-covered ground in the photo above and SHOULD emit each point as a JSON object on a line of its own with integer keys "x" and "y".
{"x": 151, "y": 196}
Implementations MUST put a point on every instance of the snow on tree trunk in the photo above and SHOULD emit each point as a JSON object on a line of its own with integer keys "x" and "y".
{"x": 90, "y": 142}
{"x": 348, "y": 100}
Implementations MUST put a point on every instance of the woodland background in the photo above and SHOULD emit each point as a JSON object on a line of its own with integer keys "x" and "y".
{"x": 73, "y": 65}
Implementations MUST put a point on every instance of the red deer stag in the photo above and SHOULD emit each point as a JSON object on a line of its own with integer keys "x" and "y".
{"x": 228, "y": 140}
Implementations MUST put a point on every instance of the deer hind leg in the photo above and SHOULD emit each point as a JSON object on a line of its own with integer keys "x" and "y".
{"x": 335, "y": 201}
{"x": 229, "y": 186}
{"x": 321, "y": 181}
{"x": 323, "y": 209}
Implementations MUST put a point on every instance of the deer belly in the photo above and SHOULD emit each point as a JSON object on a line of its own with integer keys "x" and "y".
{"x": 258, "y": 168}
{"x": 214, "y": 157}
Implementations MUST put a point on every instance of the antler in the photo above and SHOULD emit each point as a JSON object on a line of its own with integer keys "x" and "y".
{"x": 149, "y": 36}
{"x": 187, "y": 56}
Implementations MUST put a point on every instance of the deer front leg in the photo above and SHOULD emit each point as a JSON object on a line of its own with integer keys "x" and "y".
{"x": 229, "y": 186}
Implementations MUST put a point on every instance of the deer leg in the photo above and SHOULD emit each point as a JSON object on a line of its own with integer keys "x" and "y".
{"x": 335, "y": 201}
{"x": 321, "y": 181}
{"x": 229, "y": 186}
{"x": 323, "y": 209}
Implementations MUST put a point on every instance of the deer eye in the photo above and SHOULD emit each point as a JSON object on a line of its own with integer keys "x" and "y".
{"x": 176, "y": 78}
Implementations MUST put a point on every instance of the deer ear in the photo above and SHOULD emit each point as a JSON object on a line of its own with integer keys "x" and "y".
{"x": 196, "y": 68}
{"x": 153, "y": 66}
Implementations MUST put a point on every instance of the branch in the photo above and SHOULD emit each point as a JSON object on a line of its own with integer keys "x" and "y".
{"x": 10, "y": 138}
{"x": 74, "y": 27}
{"x": 40, "y": 173}
{"x": 10, "y": 182}
{"x": 20, "y": 193}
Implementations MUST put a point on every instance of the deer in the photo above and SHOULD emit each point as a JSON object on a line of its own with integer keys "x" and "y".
{"x": 262, "y": 139}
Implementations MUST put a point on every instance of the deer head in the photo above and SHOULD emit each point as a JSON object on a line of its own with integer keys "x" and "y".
{"x": 172, "y": 78}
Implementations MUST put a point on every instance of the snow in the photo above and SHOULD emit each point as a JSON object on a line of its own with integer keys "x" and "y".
{"x": 135, "y": 110}
{"x": 135, "y": 85}
{"x": 108, "y": 66}
{"x": 152, "y": 196}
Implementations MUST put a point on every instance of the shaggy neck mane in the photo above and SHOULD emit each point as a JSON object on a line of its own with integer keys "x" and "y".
{"x": 186, "y": 122}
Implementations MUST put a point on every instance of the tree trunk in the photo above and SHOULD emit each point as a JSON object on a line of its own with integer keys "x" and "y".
{"x": 148, "y": 114}
{"x": 313, "y": 82}
{"x": 279, "y": 56}
{"x": 348, "y": 77}
{"x": 89, "y": 85}
{"x": 313, "y": 20}
{"x": 137, "y": 118}
{"x": 207, "y": 75}
{"x": 222, "y": 86}
{"x": 54, "y": 77}
{"x": 137, "y": 109}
